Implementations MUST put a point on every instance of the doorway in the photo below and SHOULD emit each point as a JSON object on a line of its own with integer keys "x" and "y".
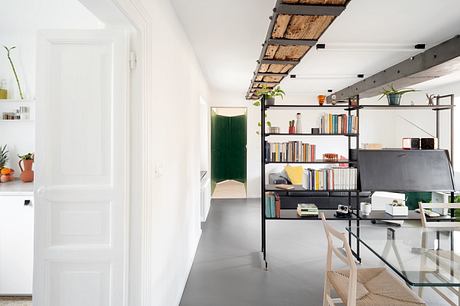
{"x": 228, "y": 152}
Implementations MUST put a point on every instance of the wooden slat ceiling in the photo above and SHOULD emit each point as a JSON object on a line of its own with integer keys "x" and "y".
{"x": 295, "y": 27}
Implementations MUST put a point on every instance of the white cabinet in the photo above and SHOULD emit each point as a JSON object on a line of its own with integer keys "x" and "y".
{"x": 16, "y": 244}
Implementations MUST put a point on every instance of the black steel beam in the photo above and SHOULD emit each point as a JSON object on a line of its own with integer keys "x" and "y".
{"x": 271, "y": 74}
{"x": 437, "y": 61}
{"x": 264, "y": 83}
{"x": 309, "y": 10}
{"x": 278, "y": 62}
{"x": 292, "y": 42}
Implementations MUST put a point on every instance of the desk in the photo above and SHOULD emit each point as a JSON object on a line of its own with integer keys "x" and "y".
{"x": 421, "y": 257}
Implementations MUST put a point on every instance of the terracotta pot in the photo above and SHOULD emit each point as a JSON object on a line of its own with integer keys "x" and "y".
{"x": 27, "y": 174}
{"x": 321, "y": 99}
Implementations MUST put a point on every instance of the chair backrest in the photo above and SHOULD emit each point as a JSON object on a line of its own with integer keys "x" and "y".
{"x": 426, "y": 223}
{"x": 346, "y": 258}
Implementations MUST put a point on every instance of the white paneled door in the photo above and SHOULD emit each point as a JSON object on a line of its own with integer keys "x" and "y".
{"x": 81, "y": 218}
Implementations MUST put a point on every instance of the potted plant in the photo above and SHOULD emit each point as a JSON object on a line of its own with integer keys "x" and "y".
{"x": 393, "y": 95}
{"x": 3, "y": 156}
{"x": 27, "y": 174}
{"x": 268, "y": 94}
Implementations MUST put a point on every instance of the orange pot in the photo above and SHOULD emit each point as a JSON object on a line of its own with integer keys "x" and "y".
{"x": 27, "y": 174}
{"x": 321, "y": 99}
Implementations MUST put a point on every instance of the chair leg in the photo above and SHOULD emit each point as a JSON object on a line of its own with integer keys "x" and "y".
{"x": 327, "y": 292}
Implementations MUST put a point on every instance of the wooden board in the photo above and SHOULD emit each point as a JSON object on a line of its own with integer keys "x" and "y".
{"x": 285, "y": 52}
{"x": 301, "y": 27}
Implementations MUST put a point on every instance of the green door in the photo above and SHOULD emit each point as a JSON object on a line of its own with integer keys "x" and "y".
{"x": 228, "y": 148}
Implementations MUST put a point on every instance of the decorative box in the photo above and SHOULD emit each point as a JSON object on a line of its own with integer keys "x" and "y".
{"x": 396, "y": 210}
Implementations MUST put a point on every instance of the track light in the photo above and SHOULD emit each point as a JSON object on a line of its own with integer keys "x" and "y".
{"x": 361, "y": 47}
{"x": 326, "y": 76}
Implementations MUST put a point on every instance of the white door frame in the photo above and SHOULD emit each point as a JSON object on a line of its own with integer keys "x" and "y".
{"x": 142, "y": 139}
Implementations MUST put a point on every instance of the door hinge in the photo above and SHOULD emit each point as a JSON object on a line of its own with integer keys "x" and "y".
{"x": 132, "y": 60}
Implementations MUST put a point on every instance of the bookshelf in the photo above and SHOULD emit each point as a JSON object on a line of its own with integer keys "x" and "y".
{"x": 352, "y": 144}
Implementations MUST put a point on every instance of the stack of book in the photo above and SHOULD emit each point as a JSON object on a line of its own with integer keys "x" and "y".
{"x": 307, "y": 210}
{"x": 337, "y": 178}
{"x": 292, "y": 151}
{"x": 338, "y": 124}
{"x": 272, "y": 205}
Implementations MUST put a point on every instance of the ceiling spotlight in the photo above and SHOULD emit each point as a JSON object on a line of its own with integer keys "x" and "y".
{"x": 293, "y": 76}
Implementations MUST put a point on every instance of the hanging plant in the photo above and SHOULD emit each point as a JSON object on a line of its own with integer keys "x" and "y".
{"x": 8, "y": 55}
{"x": 267, "y": 95}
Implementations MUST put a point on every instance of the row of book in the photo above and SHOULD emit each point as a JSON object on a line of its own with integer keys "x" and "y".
{"x": 292, "y": 151}
{"x": 336, "y": 178}
{"x": 339, "y": 124}
{"x": 272, "y": 205}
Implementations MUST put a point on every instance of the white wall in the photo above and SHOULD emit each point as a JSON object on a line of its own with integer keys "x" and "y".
{"x": 19, "y": 28}
{"x": 166, "y": 143}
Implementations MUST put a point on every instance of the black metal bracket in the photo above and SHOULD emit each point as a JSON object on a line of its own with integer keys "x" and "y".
{"x": 292, "y": 42}
{"x": 278, "y": 62}
{"x": 309, "y": 10}
{"x": 272, "y": 74}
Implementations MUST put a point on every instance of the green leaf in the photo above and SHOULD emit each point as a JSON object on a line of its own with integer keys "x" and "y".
{"x": 269, "y": 124}
{"x": 259, "y": 124}
{"x": 257, "y": 103}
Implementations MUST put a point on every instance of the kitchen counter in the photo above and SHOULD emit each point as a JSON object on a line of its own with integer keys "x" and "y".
{"x": 16, "y": 188}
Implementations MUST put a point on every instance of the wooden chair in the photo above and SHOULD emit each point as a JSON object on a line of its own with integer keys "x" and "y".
{"x": 446, "y": 224}
{"x": 360, "y": 287}
{"x": 441, "y": 257}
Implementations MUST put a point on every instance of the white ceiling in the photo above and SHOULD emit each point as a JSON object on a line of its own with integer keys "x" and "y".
{"x": 227, "y": 37}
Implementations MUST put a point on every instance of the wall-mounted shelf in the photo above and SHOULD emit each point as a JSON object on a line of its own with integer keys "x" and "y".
{"x": 16, "y": 121}
{"x": 15, "y": 101}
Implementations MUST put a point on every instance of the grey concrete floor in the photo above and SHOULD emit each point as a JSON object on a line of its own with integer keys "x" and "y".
{"x": 227, "y": 269}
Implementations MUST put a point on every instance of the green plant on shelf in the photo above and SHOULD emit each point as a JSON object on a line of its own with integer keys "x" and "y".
{"x": 8, "y": 55}
{"x": 3, "y": 156}
{"x": 394, "y": 95}
{"x": 28, "y": 156}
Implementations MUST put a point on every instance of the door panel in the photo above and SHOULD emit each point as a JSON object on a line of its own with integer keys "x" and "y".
{"x": 81, "y": 159}
{"x": 228, "y": 148}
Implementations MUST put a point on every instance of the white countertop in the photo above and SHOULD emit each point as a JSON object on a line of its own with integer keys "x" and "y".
{"x": 16, "y": 188}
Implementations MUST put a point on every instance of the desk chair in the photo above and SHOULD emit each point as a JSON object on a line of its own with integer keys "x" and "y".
{"x": 443, "y": 258}
{"x": 360, "y": 287}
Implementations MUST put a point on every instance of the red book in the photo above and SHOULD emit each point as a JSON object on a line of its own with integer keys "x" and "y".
{"x": 277, "y": 206}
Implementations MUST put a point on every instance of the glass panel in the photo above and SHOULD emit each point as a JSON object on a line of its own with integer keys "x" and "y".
{"x": 422, "y": 257}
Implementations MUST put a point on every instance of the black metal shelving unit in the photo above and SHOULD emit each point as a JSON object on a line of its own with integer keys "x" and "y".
{"x": 291, "y": 214}
{"x": 353, "y": 144}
